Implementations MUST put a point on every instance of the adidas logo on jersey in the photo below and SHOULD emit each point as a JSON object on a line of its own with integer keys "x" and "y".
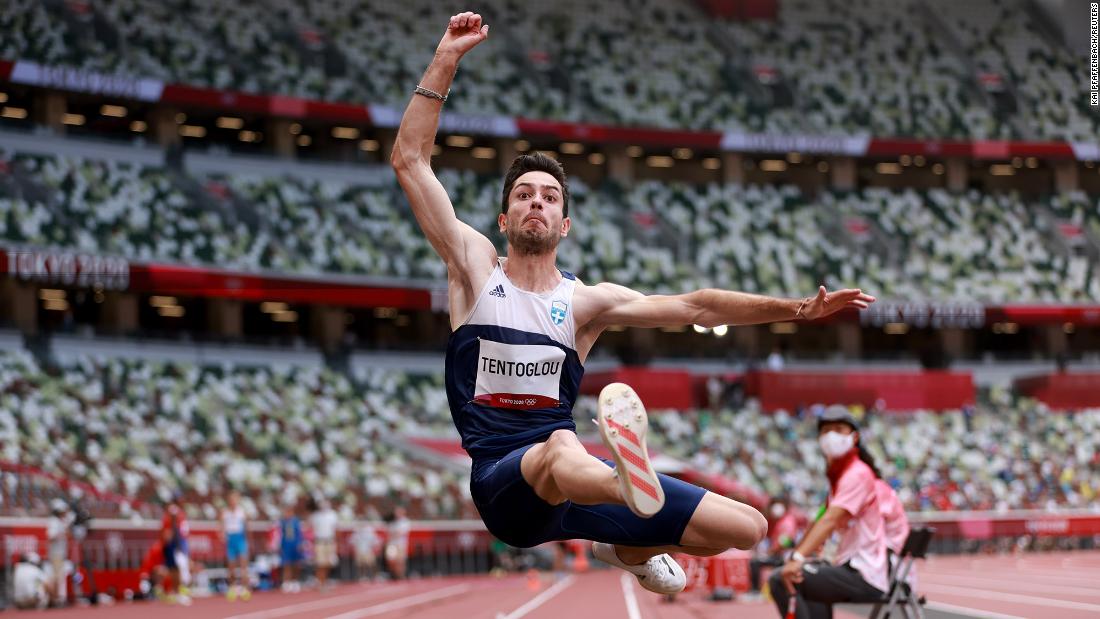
{"x": 498, "y": 291}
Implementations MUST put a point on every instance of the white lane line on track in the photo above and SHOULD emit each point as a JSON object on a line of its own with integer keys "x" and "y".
{"x": 1007, "y": 597}
{"x": 1015, "y": 585}
{"x": 404, "y": 602}
{"x": 1050, "y": 577}
{"x": 284, "y": 611}
{"x": 1020, "y": 566}
{"x": 632, "y": 611}
{"x": 977, "y": 613}
{"x": 539, "y": 599}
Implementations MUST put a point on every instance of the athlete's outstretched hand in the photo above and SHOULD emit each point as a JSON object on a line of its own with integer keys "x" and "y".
{"x": 826, "y": 303}
{"x": 464, "y": 31}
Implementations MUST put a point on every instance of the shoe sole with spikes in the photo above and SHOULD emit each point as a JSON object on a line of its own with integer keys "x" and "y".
{"x": 623, "y": 426}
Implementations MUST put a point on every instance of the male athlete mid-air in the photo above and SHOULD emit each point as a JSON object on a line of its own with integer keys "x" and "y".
{"x": 521, "y": 330}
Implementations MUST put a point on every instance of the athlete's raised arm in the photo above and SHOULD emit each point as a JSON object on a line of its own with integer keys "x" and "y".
{"x": 461, "y": 247}
{"x": 610, "y": 304}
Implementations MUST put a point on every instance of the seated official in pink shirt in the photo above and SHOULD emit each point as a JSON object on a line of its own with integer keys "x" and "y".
{"x": 894, "y": 520}
{"x": 859, "y": 573}
{"x": 896, "y": 525}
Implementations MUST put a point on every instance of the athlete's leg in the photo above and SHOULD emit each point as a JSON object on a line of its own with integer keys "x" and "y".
{"x": 718, "y": 523}
{"x": 721, "y": 522}
{"x": 562, "y": 470}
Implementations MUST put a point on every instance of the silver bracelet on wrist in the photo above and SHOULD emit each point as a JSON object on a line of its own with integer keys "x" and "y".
{"x": 431, "y": 94}
{"x": 801, "y": 306}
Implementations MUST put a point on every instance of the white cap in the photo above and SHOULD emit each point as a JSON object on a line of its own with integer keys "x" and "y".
{"x": 59, "y": 505}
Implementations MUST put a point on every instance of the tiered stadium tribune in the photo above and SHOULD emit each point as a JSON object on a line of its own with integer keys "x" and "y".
{"x": 834, "y": 67}
{"x": 655, "y": 236}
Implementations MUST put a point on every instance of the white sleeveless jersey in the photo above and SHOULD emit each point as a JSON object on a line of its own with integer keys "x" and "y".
{"x": 513, "y": 373}
{"x": 233, "y": 520}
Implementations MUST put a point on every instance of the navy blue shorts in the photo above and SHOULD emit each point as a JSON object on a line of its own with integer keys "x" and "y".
{"x": 515, "y": 514}
{"x": 169, "y": 552}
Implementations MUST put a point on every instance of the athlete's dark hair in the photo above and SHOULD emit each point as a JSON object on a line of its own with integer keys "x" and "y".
{"x": 535, "y": 162}
{"x": 868, "y": 459}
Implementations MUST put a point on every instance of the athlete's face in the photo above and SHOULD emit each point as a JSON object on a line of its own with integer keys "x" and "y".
{"x": 534, "y": 223}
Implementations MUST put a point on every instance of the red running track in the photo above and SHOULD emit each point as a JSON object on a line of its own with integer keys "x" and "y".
{"x": 1036, "y": 586}
{"x": 601, "y": 594}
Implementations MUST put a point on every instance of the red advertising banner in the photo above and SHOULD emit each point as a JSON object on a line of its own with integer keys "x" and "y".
{"x": 1063, "y": 391}
{"x": 204, "y": 282}
{"x": 901, "y": 391}
{"x": 729, "y": 571}
{"x": 983, "y": 525}
{"x": 657, "y": 388}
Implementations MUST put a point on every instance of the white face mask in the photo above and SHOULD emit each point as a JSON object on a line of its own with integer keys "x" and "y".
{"x": 778, "y": 510}
{"x": 834, "y": 444}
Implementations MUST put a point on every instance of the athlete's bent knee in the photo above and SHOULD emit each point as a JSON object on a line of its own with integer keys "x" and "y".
{"x": 761, "y": 527}
{"x": 560, "y": 441}
{"x": 753, "y": 528}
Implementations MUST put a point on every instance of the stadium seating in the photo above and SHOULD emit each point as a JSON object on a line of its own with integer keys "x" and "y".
{"x": 972, "y": 246}
{"x": 1078, "y": 217}
{"x": 847, "y": 67}
{"x": 753, "y": 238}
{"x": 1002, "y": 40}
{"x": 622, "y": 61}
{"x": 861, "y": 67}
{"x": 31, "y": 32}
{"x": 117, "y": 208}
{"x": 654, "y": 236}
{"x": 315, "y": 226}
{"x": 145, "y": 430}
{"x": 381, "y": 65}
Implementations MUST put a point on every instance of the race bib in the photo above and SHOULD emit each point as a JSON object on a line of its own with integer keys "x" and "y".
{"x": 518, "y": 375}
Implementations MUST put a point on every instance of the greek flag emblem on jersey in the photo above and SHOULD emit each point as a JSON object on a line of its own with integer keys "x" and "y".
{"x": 558, "y": 310}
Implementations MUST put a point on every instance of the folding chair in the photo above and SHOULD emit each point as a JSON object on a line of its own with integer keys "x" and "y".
{"x": 900, "y": 597}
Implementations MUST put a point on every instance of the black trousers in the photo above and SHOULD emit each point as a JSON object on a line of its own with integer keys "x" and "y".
{"x": 757, "y": 565}
{"x": 822, "y": 586}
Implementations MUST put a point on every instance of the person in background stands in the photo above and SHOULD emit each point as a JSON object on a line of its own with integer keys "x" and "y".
{"x": 323, "y": 520}
{"x": 397, "y": 543}
{"x": 234, "y": 532}
{"x": 57, "y": 534}
{"x": 290, "y": 548}
{"x": 30, "y": 586}
{"x": 365, "y": 542}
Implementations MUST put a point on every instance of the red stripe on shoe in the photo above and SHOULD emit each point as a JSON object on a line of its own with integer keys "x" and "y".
{"x": 644, "y": 486}
{"x": 633, "y": 458}
{"x": 626, "y": 433}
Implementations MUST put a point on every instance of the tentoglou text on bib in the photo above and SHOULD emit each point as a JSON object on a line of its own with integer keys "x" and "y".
{"x": 521, "y": 376}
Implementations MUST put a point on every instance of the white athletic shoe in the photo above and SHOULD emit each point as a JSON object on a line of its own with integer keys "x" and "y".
{"x": 623, "y": 425}
{"x": 660, "y": 574}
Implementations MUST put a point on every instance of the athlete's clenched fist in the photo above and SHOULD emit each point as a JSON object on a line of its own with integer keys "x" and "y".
{"x": 464, "y": 31}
